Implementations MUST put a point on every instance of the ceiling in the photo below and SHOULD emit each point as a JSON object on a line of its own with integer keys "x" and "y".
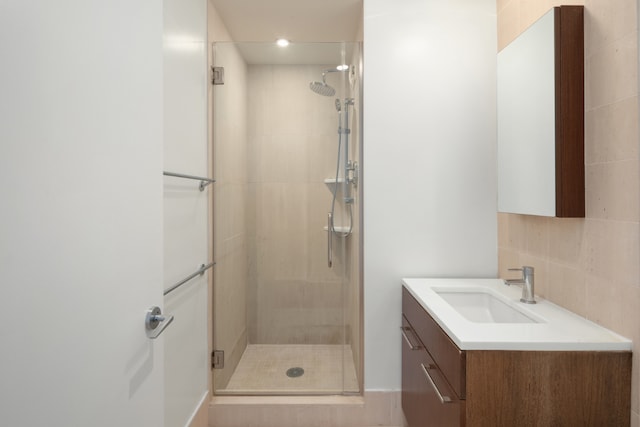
{"x": 329, "y": 54}
{"x": 296, "y": 20}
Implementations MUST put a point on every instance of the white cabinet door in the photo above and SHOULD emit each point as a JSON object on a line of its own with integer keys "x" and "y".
{"x": 81, "y": 212}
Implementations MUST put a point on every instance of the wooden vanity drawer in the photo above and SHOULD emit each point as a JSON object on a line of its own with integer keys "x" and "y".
{"x": 427, "y": 398}
{"x": 449, "y": 359}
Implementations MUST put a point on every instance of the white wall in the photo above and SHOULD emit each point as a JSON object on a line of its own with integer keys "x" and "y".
{"x": 186, "y": 209}
{"x": 429, "y": 157}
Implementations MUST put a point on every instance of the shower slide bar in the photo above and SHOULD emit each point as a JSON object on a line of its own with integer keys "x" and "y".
{"x": 200, "y": 272}
{"x": 203, "y": 181}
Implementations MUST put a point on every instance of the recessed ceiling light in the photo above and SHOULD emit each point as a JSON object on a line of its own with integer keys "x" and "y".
{"x": 282, "y": 42}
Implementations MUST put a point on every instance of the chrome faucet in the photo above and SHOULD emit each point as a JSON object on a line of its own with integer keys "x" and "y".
{"x": 527, "y": 283}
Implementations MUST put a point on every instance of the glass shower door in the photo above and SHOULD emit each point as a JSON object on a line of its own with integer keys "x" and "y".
{"x": 286, "y": 219}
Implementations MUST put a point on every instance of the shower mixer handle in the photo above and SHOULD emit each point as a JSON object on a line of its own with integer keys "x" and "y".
{"x": 352, "y": 173}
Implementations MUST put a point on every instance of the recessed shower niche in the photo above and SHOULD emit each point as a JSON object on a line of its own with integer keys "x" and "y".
{"x": 287, "y": 207}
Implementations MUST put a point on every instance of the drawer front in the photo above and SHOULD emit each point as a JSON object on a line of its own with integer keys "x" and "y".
{"x": 449, "y": 359}
{"x": 427, "y": 399}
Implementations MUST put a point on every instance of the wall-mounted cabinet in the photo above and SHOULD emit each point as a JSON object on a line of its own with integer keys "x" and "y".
{"x": 541, "y": 118}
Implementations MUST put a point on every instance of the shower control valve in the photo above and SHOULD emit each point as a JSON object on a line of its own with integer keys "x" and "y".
{"x": 352, "y": 172}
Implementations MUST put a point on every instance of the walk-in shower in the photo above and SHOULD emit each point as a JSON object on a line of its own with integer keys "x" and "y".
{"x": 287, "y": 284}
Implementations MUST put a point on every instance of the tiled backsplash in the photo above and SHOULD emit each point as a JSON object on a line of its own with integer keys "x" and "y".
{"x": 592, "y": 265}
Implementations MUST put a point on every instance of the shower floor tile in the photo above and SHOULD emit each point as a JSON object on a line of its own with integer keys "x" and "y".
{"x": 263, "y": 370}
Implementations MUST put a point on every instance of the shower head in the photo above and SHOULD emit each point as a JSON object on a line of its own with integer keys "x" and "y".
{"x": 321, "y": 88}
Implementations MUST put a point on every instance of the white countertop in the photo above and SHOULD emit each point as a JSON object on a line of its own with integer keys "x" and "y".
{"x": 557, "y": 329}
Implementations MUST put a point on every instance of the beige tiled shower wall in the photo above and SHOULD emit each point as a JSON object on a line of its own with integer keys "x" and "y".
{"x": 591, "y": 265}
{"x": 294, "y": 298}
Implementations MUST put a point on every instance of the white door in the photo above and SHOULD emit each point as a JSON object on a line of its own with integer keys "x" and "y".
{"x": 80, "y": 212}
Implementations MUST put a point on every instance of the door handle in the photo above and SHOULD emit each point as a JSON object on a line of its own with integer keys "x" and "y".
{"x": 330, "y": 239}
{"x": 443, "y": 399}
{"x": 155, "y": 322}
{"x": 406, "y": 329}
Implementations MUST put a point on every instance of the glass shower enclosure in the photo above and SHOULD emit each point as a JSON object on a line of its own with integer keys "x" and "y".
{"x": 287, "y": 212}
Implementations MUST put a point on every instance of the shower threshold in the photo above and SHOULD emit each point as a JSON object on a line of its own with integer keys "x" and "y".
{"x": 313, "y": 369}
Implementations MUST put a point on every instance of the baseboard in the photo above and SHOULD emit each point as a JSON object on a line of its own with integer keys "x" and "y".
{"x": 200, "y": 417}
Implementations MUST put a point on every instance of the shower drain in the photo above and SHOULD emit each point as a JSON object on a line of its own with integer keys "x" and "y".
{"x": 295, "y": 372}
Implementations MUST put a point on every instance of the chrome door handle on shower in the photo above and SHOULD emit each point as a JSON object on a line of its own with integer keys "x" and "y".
{"x": 329, "y": 239}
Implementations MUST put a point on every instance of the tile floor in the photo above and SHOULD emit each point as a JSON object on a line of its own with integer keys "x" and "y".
{"x": 263, "y": 370}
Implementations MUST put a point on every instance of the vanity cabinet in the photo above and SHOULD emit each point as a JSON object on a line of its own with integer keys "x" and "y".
{"x": 443, "y": 385}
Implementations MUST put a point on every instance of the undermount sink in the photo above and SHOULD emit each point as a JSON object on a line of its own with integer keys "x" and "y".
{"x": 483, "y": 307}
{"x": 484, "y": 314}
